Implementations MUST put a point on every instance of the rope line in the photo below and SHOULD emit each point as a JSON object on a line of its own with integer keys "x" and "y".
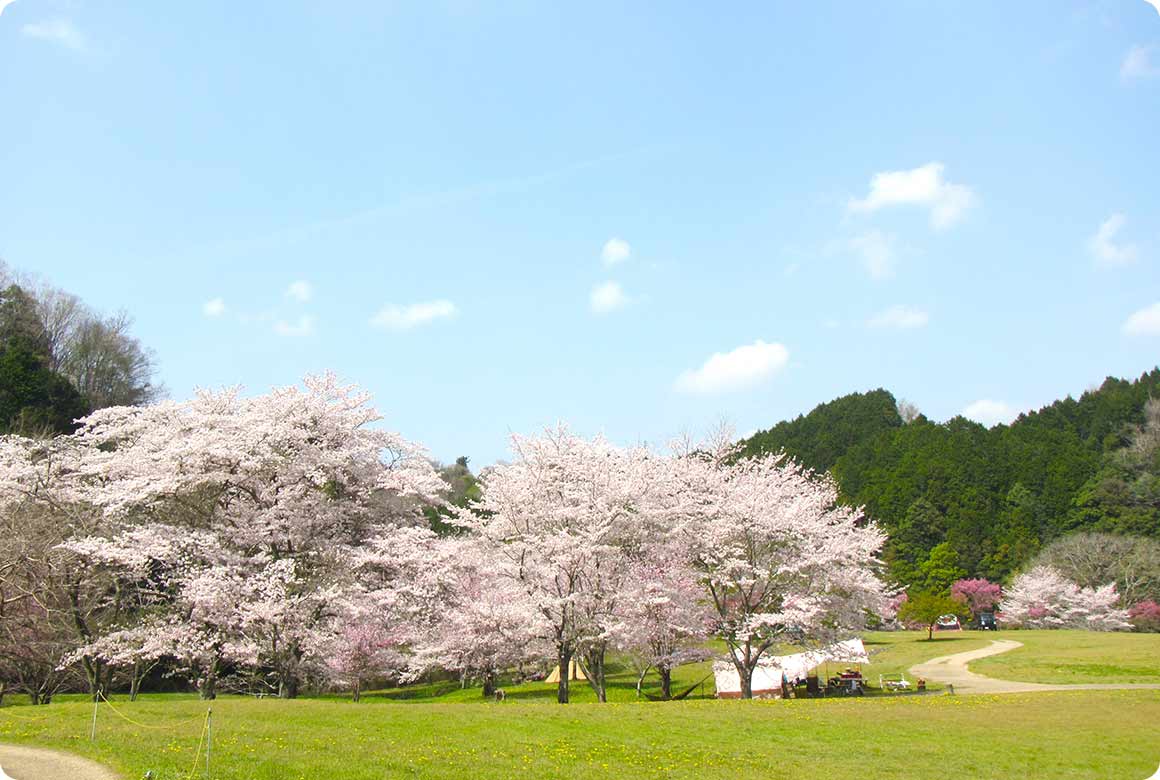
{"x": 146, "y": 725}
{"x": 21, "y": 717}
{"x": 200, "y": 742}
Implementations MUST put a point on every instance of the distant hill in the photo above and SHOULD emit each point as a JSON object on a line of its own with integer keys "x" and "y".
{"x": 987, "y": 499}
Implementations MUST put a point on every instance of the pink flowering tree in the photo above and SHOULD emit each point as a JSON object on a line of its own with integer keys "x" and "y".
{"x": 562, "y": 517}
{"x": 286, "y": 488}
{"x": 1044, "y": 598}
{"x": 979, "y": 595}
{"x": 665, "y": 620}
{"x": 488, "y": 626}
{"x": 1145, "y": 616}
{"x": 362, "y": 650}
{"x": 778, "y": 557}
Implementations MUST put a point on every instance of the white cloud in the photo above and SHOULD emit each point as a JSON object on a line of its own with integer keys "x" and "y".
{"x": 300, "y": 291}
{"x": 607, "y": 297}
{"x": 1138, "y": 64}
{"x": 923, "y": 186}
{"x": 1155, "y": 4}
{"x": 1103, "y": 244}
{"x": 742, "y": 368}
{"x": 215, "y": 307}
{"x": 400, "y": 318}
{"x": 902, "y": 317}
{"x": 615, "y": 251}
{"x": 876, "y": 251}
{"x": 59, "y": 31}
{"x": 303, "y": 326}
{"x": 4, "y": 4}
{"x": 1145, "y": 322}
{"x": 990, "y": 413}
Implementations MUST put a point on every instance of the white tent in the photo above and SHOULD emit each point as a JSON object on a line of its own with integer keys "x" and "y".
{"x": 577, "y": 673}
{"x": 768, "y": 675}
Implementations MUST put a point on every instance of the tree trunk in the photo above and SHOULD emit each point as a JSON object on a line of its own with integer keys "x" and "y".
{"x": 357, "y": 688}
{"x": 135, "y": 684}
{"x": 746, "y": 675}
{"x": 207, "y": 685}
{"x": 94, "y": 673}
{"x": 640, "y": 679}
{"x": 288, "y": 687}
{"x": 930, "y": 631}
{"x": 488, "y": 684}
{"x": 666, "y": 682}
{"x": 565, "y": 658}
{"x": 594, "y": 671}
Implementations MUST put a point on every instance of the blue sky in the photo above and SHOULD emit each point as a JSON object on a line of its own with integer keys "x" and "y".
{"x": 636, "y": 217}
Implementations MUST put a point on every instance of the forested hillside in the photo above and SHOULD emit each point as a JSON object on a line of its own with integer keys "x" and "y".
{"x": 960, "y": 499}
{"x": 59, "y": 360}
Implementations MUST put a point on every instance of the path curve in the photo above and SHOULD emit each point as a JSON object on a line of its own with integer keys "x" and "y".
{"x": 952, "y": 670}
{"x": 28, "y": 763}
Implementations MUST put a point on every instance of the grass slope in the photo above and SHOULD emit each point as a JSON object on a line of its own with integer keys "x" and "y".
{"x": 1105, "y": 734}
{"x": 1066, "y": 735}
{"x": 1068, "y": 657}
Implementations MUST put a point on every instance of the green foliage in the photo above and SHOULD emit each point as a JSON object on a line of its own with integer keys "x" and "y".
{"x": 997, "y": 495}
{"x": 927, "y": 608}
{"x": 34, "y": 399}
{"x": 818, "y": 439}
{"x": 940, "y": 570}
{"x": 463, "y": 489}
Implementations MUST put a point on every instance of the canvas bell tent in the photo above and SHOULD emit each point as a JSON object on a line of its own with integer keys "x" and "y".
{"x": 577, "y": 673}
{"x": 768, "y": 675}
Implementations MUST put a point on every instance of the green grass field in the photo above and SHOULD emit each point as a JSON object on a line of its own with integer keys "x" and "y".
{"x": 451, "y": 733}
{"x": 1068, "y": 657}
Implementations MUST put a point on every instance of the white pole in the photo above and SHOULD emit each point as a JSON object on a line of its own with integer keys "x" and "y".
{"x": 93, "y": 729}
{"x": 208, "y": 737}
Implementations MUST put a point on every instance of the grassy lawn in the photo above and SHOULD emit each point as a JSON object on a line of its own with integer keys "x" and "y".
{"x": 1076, "y": 657}
{"x": 1077, "y": 735}
{"x": 451, "y": 733}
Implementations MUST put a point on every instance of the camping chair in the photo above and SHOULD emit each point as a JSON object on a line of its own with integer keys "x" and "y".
{"x": 893, "y": 682}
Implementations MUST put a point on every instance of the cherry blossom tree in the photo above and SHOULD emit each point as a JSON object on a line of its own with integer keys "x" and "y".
{"x": 362, "y": 650}
{"x": 285, "y": 490}
{"x": 1145, "y": 616}
{"x": 489, "y": 625}
{"x": 562, "y": 517}
{"x": 665, "y": 620}
{"x": 779, "y": 558}
{"x": 979, "y": 595}
{"x": 1044, "y": 598}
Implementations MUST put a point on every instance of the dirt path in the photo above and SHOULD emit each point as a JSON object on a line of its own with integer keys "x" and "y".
{"x": 27, "y": 763}
{"x": 952, "y": 670}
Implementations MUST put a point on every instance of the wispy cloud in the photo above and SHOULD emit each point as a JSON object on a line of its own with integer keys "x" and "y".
{"x": 876, "y": 251}
{"x": 303, "y": 326}
{"x": 923, "y": 186}
{"x": 738, "y": 369}
{"x": 1145, "y": 322}
{"x": 60, "y": 31}
{"x": 1138, "y": 64}
{"x": 410, "y": 204}
{"x": 401, "y": 318}
{"x": 615, "y": 251}
{"x": 1104, "y": 247}
{"x": 990, "y": 413}
{"x": 607, "y": 297}
{"x": 300, "y": 291}
{"x": 214, "y": 307}
{"x": 900, "y": 318}
{"x": 4, "y": 4}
